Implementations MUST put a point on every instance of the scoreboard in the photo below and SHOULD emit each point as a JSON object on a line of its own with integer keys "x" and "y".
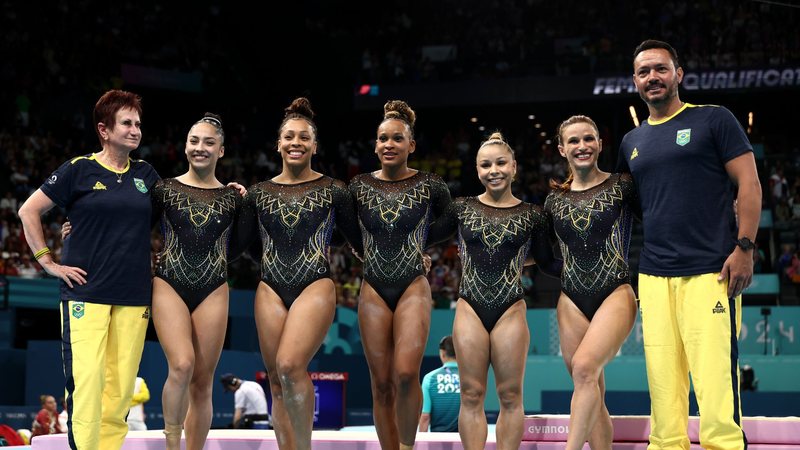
{"x": 330, "y": 390}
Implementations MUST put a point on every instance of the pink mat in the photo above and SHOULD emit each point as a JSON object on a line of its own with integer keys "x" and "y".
{"x": 330, "y": 440}
{"x": 759, "y": 430}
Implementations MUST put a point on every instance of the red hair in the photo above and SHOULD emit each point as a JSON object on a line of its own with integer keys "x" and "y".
{"x": 106, "y": 108}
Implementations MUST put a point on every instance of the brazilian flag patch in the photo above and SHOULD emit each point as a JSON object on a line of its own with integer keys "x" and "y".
{"x": 78, "y": 309}
{"x": 139, "y": 183}
{"x": 683, "y": 137}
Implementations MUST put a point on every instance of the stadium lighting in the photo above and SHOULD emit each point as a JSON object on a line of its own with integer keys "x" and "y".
{"x": 634, "y": 116}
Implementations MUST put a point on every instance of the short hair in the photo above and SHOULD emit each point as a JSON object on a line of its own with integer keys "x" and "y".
{"x": 106, "y": 108}
{"x": 651, "y": 44}
{"x": 228, "y": 379}
{"x": 446, "y": 344}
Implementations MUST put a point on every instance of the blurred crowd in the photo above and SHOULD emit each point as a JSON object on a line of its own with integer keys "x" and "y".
{"x": 57, "y": 60}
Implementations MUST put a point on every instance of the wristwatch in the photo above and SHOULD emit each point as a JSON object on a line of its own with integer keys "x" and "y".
{"x": 745, "y": 244}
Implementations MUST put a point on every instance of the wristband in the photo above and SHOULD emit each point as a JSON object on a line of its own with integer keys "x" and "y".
{"x": 41, "y": 253}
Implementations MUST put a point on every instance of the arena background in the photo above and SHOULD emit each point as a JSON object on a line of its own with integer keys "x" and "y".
{"x": 467, "y": 68}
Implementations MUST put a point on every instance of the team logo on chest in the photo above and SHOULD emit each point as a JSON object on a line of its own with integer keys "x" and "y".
{"x": 683, "y": 137}
{"x": 139, "y": 183}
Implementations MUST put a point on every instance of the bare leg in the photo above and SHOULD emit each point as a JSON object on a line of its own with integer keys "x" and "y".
{"x": 471, "y": 341}
{"x": 174, "y": 327}
{"x": 208, "y": 337}
{"x": 587, "y": 348}
{"x": 305, "y": 328}
{"x": 412, "y": 323}
{"x": 375, "y": 321}
{"x": 509, "y": 354}
{"x": 603, "y": 430}
{"x": 271, "y": 315}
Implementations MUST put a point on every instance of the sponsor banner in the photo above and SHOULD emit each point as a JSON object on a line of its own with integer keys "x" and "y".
{"x": 710, "y": 80}
{"x": 328, "y": 376}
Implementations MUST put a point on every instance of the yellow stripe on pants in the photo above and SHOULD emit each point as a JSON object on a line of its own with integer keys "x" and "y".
{"x": 102, "y": 347}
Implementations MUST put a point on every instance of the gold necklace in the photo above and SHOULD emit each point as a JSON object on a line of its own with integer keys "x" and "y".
{"x": 110, "y": 167}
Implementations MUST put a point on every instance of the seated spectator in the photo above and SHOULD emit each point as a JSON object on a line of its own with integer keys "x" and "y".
{"x": 528, "y": 288}
{"x": 793, "y": 271}
{"x": 784, "y": 260}
{"x": 46, "y": 421}
{"x": 64, "y": 416}
{"x": 783, "y": 213}
{"x": 7, "y": 266}
{"x": 350, "y": 300}
{"x": 778, "y": 185}
{"x": 27, "y": 268}
{"x": 796, "y": 207}
{"x": 352, "y": 286}
{"x": 8, "y": 205}
{"x": 758, "y": 259}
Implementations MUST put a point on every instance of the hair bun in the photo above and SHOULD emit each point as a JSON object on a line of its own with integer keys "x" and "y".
{"x": 496, "y": 136}
{"x": 300, "y": 106}
{"x": 213, "y": 118}
{"x": 398, "y": 109}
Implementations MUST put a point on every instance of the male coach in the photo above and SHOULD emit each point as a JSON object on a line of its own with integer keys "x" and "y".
{"x": 690, "y": 162}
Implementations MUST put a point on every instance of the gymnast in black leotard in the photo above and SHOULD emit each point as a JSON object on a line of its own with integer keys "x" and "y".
{"x": 294, "y": 215}
{"x": 395, "y": 207}
{"x": 295, "y": 223}
{"x": 190, "y": 294}
{"x": 593, "y": 227}
{"x": 493, "y": 243}
{"x": 196, "y": 224}
{"x": 591, "y": 216}
{"x": 496, "y": 231}
{"x": 394, "y": 218}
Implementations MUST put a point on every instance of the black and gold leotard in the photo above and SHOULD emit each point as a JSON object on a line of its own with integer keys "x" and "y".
{"x": 295, "y": 223}
{"x": 394, "y": 218}
{"x": 593, "y": 227}
{"x": 493, "y": 245}
{"x": 197, "y": 226}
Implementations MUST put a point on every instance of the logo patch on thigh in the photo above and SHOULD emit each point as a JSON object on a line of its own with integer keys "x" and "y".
{"x": 78, "y": 309}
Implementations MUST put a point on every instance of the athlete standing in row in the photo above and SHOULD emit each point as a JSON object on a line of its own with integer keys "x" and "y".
{"x": 591, "y": 215}
{"x": 294, "y": 215}
{"x": 396, "y": 205}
